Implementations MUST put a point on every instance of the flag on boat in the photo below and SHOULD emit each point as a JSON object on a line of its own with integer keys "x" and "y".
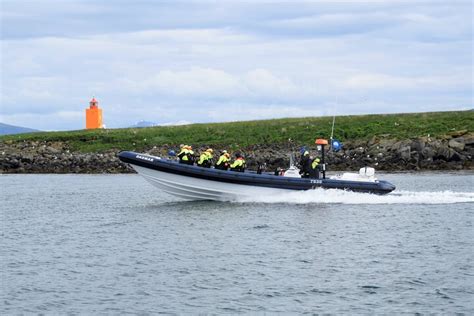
{"x": 336, "y": 145}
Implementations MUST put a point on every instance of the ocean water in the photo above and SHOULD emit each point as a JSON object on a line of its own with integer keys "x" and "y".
{"x": 113, "y": 244}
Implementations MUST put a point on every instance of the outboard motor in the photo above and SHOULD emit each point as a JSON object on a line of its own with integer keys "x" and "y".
{"x": 367, "y": 172}
{"x": 293, "y": 171}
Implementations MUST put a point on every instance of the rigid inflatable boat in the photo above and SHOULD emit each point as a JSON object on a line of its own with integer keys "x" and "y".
{"x": 191, "y": 182}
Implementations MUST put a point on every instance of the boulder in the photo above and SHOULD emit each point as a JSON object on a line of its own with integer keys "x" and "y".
{"x": 27, "y": 158}
{"x": 444, "y": 153}
{"x": 428, "y": 153}
{"x": 386, "y": 144}
{"x": 52, "y": 150}
{"x": 14, "y": 163}
{"x": 469, "y": 140}
{"x": 405, "y": 152}
{"x": 417, "y": 145}
{"x": 400, "y": 144}
{"x": 456, "y": 144}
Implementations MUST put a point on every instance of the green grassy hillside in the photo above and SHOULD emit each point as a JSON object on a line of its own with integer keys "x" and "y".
{"x": 301, "y": 130}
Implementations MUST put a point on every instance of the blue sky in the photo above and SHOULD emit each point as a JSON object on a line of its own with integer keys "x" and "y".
{"x": 210, "y": 61}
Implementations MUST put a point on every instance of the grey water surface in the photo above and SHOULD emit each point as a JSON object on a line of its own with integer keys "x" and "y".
{"x": 113, "y": 244}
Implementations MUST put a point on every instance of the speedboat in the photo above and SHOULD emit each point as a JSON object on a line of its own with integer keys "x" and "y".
{"x": 192, "y": 182}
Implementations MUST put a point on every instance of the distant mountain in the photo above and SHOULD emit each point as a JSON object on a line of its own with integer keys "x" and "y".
{"x": 6, "y": 129}
{"x": 177, "y": 123}
{"x": 144, "y": 124}
{"x": 151, "y": 124}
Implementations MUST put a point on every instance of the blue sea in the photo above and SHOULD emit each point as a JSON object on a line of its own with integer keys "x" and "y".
{"x": 113, "y": 244}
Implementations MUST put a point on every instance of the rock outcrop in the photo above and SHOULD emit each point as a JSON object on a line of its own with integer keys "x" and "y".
{"x": 424, "y": 153}
{"x": 451, "y": 152}
{"x": 56, "y": 157}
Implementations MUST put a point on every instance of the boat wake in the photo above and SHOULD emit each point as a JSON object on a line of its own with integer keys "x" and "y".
{"x": 321, "y": 196}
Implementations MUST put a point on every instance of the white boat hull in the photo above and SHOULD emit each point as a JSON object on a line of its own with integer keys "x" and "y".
{"x": 189, "y": 188}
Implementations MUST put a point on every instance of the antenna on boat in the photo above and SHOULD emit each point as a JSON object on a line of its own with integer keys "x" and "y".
{"x": 333, "y": 122}
{"x": 292, "y": 156}
{"x": 332, "y": 129}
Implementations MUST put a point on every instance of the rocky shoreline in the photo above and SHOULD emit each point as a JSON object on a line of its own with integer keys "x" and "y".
{"x": 450, "y": 152}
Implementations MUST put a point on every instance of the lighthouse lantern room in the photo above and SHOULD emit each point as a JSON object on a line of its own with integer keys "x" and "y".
{"x": 93, "y": 115}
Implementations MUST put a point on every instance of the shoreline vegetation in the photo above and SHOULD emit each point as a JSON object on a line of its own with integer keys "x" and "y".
{"x": 388, "y": 142}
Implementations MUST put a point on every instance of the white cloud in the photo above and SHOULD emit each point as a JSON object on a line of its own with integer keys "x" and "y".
{"x": 208, "y": 83}
{"x": 387, "y": 82}
{"x": 244, "y": 60}
{"x": 193, "y": 82}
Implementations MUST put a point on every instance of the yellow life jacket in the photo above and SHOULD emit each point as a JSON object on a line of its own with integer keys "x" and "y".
{"x": 239, "y": 162}
{"x": 183, "y": 154}
{"x": 204, "y": 156}
{"x": 222, "y": 159}
{"x": 315, "y": 163}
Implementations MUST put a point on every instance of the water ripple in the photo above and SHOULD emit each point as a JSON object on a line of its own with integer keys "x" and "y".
{"x": 122, "y": 247}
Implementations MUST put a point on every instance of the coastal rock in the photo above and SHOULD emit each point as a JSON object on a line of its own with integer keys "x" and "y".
{"x": 417, "y": 145}
{"x": 457, "y": 144}
{"x": 386, "y": 144}
{"x": 469, "y": 140}
{"x": 426, "y": 153}
{"x": 444, "y": 153}
{"x": 13, "y": 163}
{"x": 405, "y": 153}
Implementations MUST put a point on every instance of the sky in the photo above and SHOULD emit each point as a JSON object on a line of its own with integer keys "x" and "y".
{"x": 174, "y": 62}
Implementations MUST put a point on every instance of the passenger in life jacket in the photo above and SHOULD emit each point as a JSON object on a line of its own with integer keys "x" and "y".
{"x": 223, "y": 162}
{"x": 238, "y": 164}
{"x": 182, "y": 152}
{"x": 305, "y": 163}
{"x": 186, "y": 155}
{"x": 314, "y": 171}
{"x": 205, "y": 160}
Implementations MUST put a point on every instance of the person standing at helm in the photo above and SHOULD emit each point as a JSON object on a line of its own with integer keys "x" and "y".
{"x": 305, "y": 163}
{"x": 223, "y": 162}
{"x": 238, "y": 164}
{"x": 205, "y": 160}
{"x": 314, "y": 171}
